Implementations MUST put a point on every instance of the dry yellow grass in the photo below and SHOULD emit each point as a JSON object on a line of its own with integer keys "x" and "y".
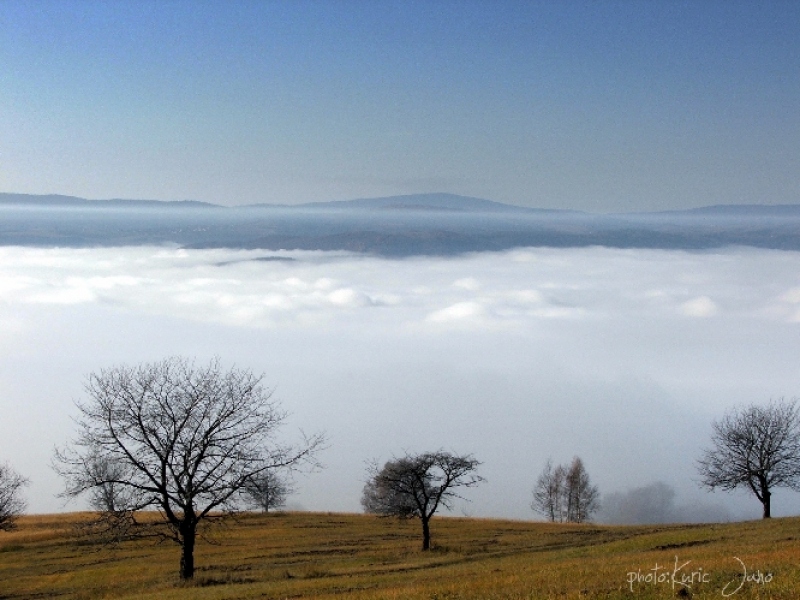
{"x": 301, "y": 555}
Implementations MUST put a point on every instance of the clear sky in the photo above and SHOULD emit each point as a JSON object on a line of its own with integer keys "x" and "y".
{"x": 600, "y": 106}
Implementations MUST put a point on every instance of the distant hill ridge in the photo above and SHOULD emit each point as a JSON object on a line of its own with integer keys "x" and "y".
{"x": 395, "y": 226}
{"x": 412, "y": 202}
{"x": 74, "y": 201}
{"x": 741, "y": 210}
{"x": 440, "y": 201}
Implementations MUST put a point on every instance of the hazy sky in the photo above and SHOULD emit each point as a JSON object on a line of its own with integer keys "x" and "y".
{"x": 623, "y": 357}
{"x": 601, "y": 106}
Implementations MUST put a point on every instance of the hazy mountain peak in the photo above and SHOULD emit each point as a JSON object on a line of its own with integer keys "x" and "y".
{"x": 433, "y": 201}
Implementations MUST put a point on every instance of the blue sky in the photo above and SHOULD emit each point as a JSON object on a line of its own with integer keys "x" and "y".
{"x": 600, "y": 106}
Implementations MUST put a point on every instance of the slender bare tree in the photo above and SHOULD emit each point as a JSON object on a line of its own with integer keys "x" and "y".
{"x": 415, "y": 486}
{"x": 755, "y": 447}
{"x": 12, "y": 504}
{"x": 565, "y": 493}
{"x": 548, "y": 495}
{"x": 181, "y": 438}
{"x": 582, "y": 497}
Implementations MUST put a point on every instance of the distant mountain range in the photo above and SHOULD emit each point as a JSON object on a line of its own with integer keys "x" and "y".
{"x": 423, "y": 224}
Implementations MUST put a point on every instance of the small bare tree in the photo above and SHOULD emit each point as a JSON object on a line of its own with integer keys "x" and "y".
{"x": 548, "y": 495}
{"x": 183, "y": 439}
{"x": 107, "y": 494}
{"x": 565, "y": 494}
{"x": 415, "y": 486}
{"x": 12, "y": 504}
{"x": 582, "y": 497}
{"x": 267, "y": 491}
{"x": 755, "y": 447}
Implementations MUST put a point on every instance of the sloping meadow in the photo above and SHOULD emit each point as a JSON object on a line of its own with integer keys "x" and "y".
{"x": 306, "y": 555}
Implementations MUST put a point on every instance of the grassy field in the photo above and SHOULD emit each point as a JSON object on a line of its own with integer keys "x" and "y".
{"x": 303, "y": 555}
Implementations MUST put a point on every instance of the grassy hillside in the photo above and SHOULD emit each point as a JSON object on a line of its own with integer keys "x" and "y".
{"x": 301, "y": 555}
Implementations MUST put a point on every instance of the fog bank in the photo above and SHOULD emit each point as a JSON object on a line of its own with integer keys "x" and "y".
{"x": 622, "y": 357}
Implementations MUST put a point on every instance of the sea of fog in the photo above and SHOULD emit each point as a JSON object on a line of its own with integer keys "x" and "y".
{"x": 622, "y": 357}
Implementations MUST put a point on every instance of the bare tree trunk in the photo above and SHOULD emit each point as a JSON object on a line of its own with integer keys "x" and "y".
{"x": 426, "y": 534}
{"x": 187, "y": 552}
{"x": 766, "y": 495}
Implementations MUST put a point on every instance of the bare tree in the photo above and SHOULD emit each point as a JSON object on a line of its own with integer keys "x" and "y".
{"x": 415, "y": 486}
{"x": 267, "y": 491}
{"x": 582, "y": 497}
{"x": 755, "y": 447}
{"x": 11, "y": 502}
{"x": 182, "y": 439}
{"x": 107, "y": 494}
{"x": 565, "y": 494}
{"x": 548, "y": 495}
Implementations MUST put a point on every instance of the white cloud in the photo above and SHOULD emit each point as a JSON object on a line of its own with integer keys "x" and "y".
{"x": 277, "y": 301}
{"x": 296, "y": 283}
{"x": 525, "y": 297}
{"x": 104, "y": 283}
{"x": 791, "y": 296}
{"x": 467, "y": 283}
{"x": 461, "y": 311}
{"x": 508, "y": 288}
{"x": 558, "y": 312}
{"x": 12, "y": 283}
{"x": 65, "y": 295}
{"x": 349, "y": 298}
{"x": 324, "y": 283}
{"x": 524, "y": 354}
{"x": 701, "y": 307}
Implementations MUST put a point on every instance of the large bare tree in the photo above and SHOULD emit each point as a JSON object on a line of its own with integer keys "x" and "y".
{"x": 415, "y": 486}
{"x": 755, "y": 447}
{"x": 12, "y": 504}
{"x": 565, "y": 493}
{"x": 180, "y": 438}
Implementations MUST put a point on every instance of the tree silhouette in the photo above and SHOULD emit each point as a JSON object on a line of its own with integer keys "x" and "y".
{"x": 565, "y": 493}
{"x": 12, "y": 503}
{"x": 755, "y": 447}
{"x": 177, "y": 437}
{"x": 415, "y": 486}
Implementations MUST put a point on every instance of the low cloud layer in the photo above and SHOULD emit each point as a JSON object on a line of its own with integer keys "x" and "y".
{"x": 620, "y": 356}
{"x": 484, "y": 290}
